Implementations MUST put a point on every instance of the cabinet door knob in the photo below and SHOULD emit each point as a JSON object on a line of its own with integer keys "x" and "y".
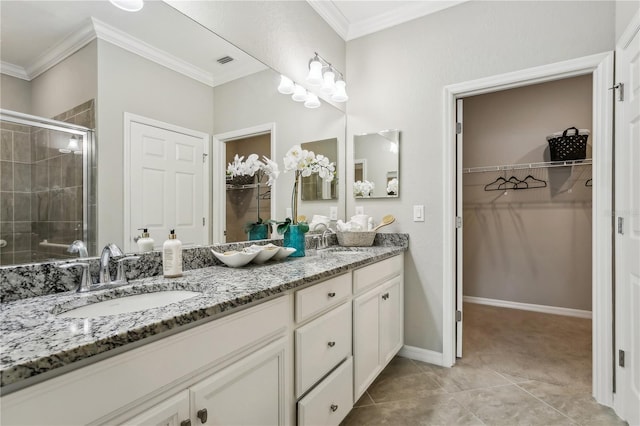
{"x": 334, "y": 407}
{"x": 331, "y": 344}
{"x": 385, "y": 296}
{"x": 185, "y": 422}
{"x": 202, "y": 415}
{"x": 332, "y": 294}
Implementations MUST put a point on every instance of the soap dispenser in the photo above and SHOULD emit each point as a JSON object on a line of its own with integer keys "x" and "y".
{"x": 172, "y": 256}
{"x": 145, "y": 242}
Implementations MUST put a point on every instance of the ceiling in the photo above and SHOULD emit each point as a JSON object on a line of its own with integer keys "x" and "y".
{"x": 356, "y": 18}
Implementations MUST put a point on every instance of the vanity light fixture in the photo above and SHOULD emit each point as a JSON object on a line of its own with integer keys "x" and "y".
{"x": 315, "y": 71}
{"x": 312, "y": 101}
{"x": 128, "y": 5}
{"x": 299, "y": 93}
{"x": 340, "y": 95}
{"x": 286, "y": 86}
{"x": 322, "y": 73}
{"x": 72, "y": 147}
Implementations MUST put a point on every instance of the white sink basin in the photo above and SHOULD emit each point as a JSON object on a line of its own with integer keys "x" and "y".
{"x": 126, "y": 304}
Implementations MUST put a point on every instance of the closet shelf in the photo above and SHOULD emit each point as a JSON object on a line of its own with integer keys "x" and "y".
{"x": 542, "y": 165}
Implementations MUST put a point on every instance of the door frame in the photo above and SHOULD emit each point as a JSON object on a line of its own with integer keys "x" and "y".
{"x": 130, "y": 118}
{"x": 601, "y": 67}
{"x": 219, "y": 191}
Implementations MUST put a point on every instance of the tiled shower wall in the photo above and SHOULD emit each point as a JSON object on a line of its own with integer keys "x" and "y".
{"x": 41, "y": 190}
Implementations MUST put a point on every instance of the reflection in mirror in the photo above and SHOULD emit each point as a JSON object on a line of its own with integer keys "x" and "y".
{"x": 376, "y": 164}
{"x": 314, "y": 187}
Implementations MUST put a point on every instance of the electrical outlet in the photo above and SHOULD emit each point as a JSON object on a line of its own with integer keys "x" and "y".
{"x": 333, "y": 213}
{"x": 359, "y": 210}
{"x": 418, "y": 213}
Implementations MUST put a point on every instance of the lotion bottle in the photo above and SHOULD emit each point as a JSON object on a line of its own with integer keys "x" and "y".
{"x": 172, "y": 256}
{"x": 145, "y": 242}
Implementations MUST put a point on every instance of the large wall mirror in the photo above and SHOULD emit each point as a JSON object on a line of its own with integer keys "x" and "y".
{"x": 376, "y": 164}
{"x": 90, "y": 60}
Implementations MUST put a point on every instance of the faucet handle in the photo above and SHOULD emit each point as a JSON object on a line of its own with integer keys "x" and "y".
{"x": 120, "y": 276}
{"x": 85, "y": 280}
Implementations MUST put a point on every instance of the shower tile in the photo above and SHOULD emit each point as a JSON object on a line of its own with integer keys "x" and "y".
{"x": 40, "y": 206}
{"x": 22, "y": 257}
{"x": 40, "y": 145}
{"x": 6, "y": 176}
{"x": 70, "y": 200}
{"x": 77, "y": 167}
{"x": 6, "y": 145}
{"x": 78, "y": 204}
{"x": 39, "y": 176}
{"x": 6, "y": 258}
{"x": 68, "y": 171}
{"x": 21, "y": 147}
{"x": 56, "y": 205}
{"x": 6, "y": 206}
{"x": 21, "y": 177}
{"x": 22, "y": 241}
{"x": 22, "y": 206}
{"x": 55, "y": 172}
{"x": 22, "y": 227}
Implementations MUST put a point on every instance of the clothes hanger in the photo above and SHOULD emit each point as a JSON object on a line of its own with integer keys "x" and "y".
{"x": 589, "y": 182}
{"x": 540, "y": 183}
{"x": 499, "y": 181}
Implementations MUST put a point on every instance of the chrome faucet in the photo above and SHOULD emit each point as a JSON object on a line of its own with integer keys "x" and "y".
{"x": 108, "y": 251}
{"x": 323, "y": 240}
{"x": 78, "y": 246}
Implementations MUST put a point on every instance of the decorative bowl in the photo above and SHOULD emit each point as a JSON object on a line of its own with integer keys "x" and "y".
{"x": 283, "y": 253}
{"x": 265, "y": 252}
{"x": 234, "y": 258}
{"x": 356, "y": 238}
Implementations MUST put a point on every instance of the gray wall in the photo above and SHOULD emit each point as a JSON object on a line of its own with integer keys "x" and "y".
{"x": 396, "y": 80}
{"x": 15, "y": 94}
{"x": 534, "y": 245}
{"x": 129, "y": 83}
{"x": 625, "y": 9}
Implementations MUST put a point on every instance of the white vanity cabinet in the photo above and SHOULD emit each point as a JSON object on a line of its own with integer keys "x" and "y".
{"x": 378, "y": 324}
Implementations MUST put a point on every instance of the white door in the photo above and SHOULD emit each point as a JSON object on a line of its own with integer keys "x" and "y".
{"x": 459, "y": 206}
{"x": 167, "y": 185}
{"x": 171, "y": 412}
{"x": 627, "y": 172}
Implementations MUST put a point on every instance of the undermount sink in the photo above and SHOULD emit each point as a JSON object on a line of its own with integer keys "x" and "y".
{"x": 127, "y": 304}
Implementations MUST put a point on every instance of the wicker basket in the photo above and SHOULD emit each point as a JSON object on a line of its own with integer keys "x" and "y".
{"x": 565, "y": 147}
{"x": 356, "y": 239}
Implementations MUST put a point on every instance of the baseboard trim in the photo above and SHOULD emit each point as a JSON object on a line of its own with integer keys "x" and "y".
{"x": 529, "y": 307}
{"x": 424, "y": 355}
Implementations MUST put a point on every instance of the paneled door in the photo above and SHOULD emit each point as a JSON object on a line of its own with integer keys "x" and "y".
{"x": 168, "y": 183}
{"x": 627, "y": 172}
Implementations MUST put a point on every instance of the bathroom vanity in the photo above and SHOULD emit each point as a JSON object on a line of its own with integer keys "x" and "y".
{"x": 282, "y": 343}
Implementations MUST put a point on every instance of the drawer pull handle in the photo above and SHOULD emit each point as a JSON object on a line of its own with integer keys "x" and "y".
{"x": 202, "y": 415}
{"x": 331, "y": 344}
{"x": 334, "y": 407}
{"x": 385, "y": 296}
{"x": 332, "y": 294}
{"x": 185, "y": 422}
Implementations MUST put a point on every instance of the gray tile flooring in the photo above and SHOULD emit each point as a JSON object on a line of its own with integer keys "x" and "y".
{"x": 518, "y": 368}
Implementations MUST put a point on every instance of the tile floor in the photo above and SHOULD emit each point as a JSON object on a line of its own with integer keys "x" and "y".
{"x": 518, "y": 368}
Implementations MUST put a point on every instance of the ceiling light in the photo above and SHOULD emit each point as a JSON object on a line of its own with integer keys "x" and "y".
{"x": 315, "y": 71}
{"x": 128, "y": 5}
{"x": 299, "y": 93}
{"x": 312, "y": 101}
{"x": 340, "y": 95}
{"x": 286, "y": 86}
{"x": 71, "y": 147}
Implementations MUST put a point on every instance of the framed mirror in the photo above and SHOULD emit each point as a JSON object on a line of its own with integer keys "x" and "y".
{"x": 128, "y": 63}
{"x": 376, "y": 164}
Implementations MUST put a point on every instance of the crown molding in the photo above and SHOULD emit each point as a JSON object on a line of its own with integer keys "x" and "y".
{"x": 398, "y": 16}
{"x": 13, "y": 70}
{"x": 332, "y": 15}
{"x": 125, "y": 41}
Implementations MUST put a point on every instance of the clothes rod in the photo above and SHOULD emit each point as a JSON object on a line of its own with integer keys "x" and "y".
{"x": 545, "y": 165}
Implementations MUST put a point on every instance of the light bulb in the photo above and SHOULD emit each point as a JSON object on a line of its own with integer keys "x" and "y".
{"x": 286, "y": 85}
{"x": 312, "y": 101}
{"x": 72, "y": 146}
{"x": 299, "y": 94}
{"x": 329, "y": 82}
{"x": 315, "y": 73}
{"x": 128, "y": 5}
{"x": 340, "y": 95}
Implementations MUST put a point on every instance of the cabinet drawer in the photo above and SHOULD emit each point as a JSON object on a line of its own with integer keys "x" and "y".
{"x": 330, "y": 402}
{"x": 321, "y": 345}
{"x": 317, "y": 298}
{"x": 377, "y": 273}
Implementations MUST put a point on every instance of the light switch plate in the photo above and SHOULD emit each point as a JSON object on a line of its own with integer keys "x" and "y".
{"x": 418, "y": 213}
{"x": 359, "y": 210}
{"x": 333, "y": 213}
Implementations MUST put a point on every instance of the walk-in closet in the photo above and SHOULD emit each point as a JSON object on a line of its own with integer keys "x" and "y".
{"x": 527, "y": 219}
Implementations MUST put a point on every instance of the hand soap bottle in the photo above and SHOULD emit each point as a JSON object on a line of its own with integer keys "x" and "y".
{"x": 145, "y": 242}
{"x": 172, "y": 256}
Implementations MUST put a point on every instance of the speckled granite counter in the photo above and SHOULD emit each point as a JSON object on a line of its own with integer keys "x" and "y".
{"x": 37, "y": 342}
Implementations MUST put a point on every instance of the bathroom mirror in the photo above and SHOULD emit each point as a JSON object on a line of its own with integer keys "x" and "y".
{"x": 129, "y": 62}
{"x": 314, "y": 187}
{"x": 376, "y": 159}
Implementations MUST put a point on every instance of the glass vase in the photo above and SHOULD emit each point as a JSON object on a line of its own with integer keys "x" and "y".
{"x": 294, "y": 237}
{"x": 259, "y": 232}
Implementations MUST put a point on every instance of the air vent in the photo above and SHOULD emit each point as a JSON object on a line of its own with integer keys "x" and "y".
{"x": 225, "y": 59}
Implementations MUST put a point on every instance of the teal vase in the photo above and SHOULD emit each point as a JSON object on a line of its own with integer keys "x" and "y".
{"x": 259, "y": 232}
{"x": 294, "y": 237}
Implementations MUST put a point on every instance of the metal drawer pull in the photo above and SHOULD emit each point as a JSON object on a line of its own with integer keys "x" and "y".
{"x": 332, "y": 294}
{"x": 331, "y": 344}
{"x": 334, "y": 407}
{"x": 185, "y": 422}
{"x": 385, "y": 296}
{"x": 202, "y": 415}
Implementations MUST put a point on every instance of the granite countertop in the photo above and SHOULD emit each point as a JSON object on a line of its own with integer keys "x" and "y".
{"x": 35, "y": 342}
